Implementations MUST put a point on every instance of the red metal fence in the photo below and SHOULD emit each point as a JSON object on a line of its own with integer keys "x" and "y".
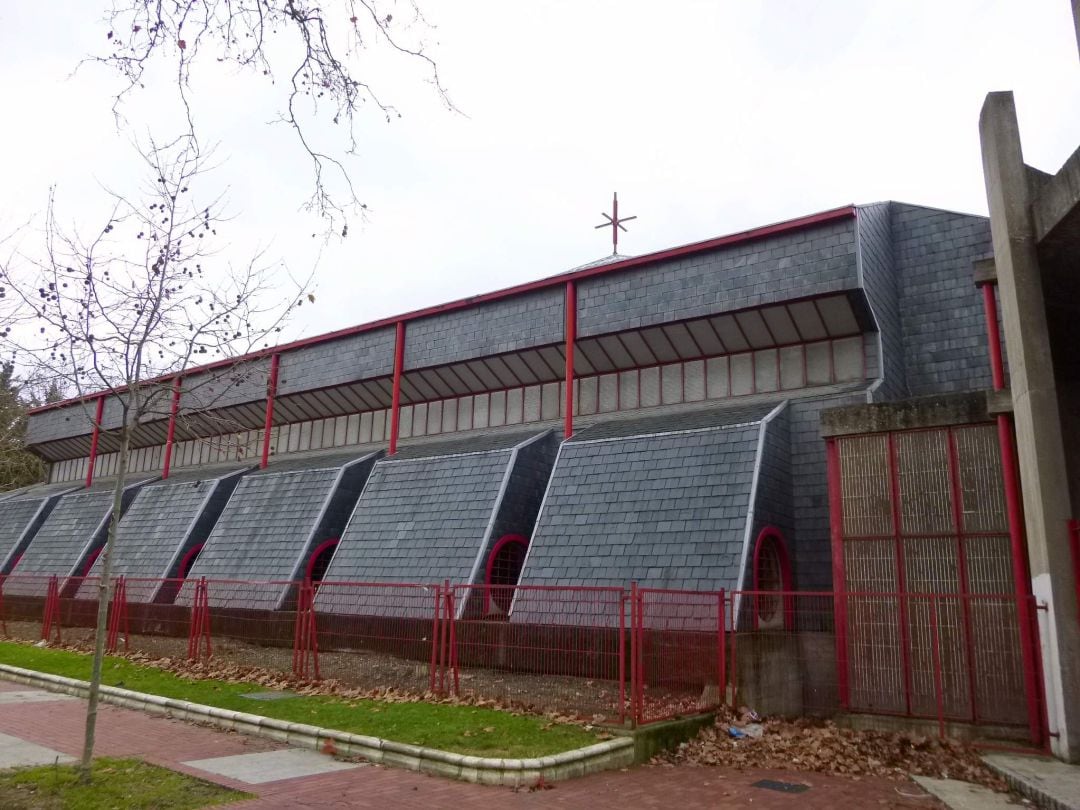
{"x": 603, "y": 654}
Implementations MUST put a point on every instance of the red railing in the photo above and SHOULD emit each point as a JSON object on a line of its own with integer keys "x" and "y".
{"x": 598, "y": 654}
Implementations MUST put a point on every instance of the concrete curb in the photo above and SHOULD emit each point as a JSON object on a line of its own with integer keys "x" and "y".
{"x": 1049, "y": 783}
{"x": 606, "y": 755}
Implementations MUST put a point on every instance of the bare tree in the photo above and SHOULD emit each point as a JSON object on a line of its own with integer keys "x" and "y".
{"x": 316, "y": 47}
{"x": 131, "y": 305}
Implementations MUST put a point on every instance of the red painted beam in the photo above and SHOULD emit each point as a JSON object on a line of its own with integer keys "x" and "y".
{"x": 813, "y": 220}
{"x": 1014, "y": 513}
{"x": 94, "y": 440}
{"x": 395, "y": 406}
{"x": 836, "y": 532}
{"x": 170, "y": 436}
{"x": 571, "y": 342}
{"x": 271, "y": 394}
{"x": 997, "y": 364}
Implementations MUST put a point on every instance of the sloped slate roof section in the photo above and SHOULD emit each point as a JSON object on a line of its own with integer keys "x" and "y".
{"x": 674, "y": 421}
{"x": 423, "y": 520}
{"x": 40, "y": 491}
{"x": 271, "y": 524}
{"x": 75, "y": 528}
{"x": 477, "y": 442}
{"x": 316, "y": 460}
{"x": 19, "y": 520}
{"x": 667, "y": 510}
{"x": 163, "y": 523}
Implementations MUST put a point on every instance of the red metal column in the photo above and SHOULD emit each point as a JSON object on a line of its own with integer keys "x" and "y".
{"x": 94, "y": 440}
{"x": 901, "y": 574}
{"x": 395, "y": 406}
{"x": 1014, "y": 512}
{"x": 271, "y": 393}
{"x": 832, "y": 466}
{"x": 571, "y": 341}
{"x": 997, "y": 367}
{"x": 173, "y": 410}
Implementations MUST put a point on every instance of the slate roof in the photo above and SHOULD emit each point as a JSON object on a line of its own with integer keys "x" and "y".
{"x": 271, "y": 523}
{"x": 164, "y": 521}
{"x": 316, "y": 460}
{"x": 40, "y": 491}
{"x": 423, "y": 519}
{"x": 664, "y": 509}
{"x": 21, "y": 514}
{"x": 475, "y": 442}
{"x": 17, "y": 522}
{"x": 75, "y": 527}
{"x": 673, "y": 421}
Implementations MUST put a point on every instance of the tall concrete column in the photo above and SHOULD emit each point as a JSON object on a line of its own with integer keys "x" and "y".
{"x": 1043, "y": 469}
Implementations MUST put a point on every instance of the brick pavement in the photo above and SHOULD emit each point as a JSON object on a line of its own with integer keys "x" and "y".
{"x": 162, "y": 741}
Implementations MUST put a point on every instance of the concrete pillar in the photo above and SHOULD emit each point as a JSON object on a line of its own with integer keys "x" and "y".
{"x": 1043, "y": 469}
{"x": 1076, "y": 20}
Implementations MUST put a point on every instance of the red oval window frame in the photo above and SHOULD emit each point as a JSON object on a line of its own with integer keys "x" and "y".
{"x": 772, "y": 536}
{"x": 502, "y": 543}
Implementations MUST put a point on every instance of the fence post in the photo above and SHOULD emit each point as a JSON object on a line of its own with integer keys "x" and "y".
{"x": 435, "y": 639}
{"x": 443, "y": 638}
{"x": 305, "y": 636}
{"x": 200, "y": 622}
{"x": 52, "y": 610}
{"x": 633, "y": 655}
{"x": 3, "y": 613}
{"x": 733, "y": 666}
{"x": 936, "y": 654}
{"x": 622, "y": 656}
{"x": 721, "y": 662}
{"x": 451, "y": 617}
{"x": 118, "y": 614}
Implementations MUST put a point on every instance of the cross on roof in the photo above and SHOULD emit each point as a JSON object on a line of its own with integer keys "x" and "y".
{"x": 614, "y": 223}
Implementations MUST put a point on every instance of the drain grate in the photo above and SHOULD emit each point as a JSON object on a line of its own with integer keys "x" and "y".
{"x": 268, "y": 695}
{"x": 782, "y": 787}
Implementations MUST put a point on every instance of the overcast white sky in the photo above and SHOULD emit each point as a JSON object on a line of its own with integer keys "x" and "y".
{"x": 707, "y": 116}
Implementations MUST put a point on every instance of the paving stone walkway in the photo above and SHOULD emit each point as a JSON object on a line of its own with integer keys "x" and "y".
{"x": 45, "y": 725}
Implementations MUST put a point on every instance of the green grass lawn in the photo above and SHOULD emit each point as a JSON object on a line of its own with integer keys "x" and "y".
{"x": 462, "y": 729}
{"x": 127, "y": 783}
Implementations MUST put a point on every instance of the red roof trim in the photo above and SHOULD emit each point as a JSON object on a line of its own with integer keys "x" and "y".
{"x": 832, "y": 215}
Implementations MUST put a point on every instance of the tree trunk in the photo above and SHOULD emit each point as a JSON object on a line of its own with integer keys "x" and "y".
{"x": 104, "y": 592}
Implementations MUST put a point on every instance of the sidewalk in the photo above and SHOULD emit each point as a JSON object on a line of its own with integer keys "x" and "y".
{"x": 303, "y": 779}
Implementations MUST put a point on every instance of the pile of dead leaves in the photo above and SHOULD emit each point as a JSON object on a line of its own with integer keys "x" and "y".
{"x": 222, "y": 670}
{"x": 824, "y": 747}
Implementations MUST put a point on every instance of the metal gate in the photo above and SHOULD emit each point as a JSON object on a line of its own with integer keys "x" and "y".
{"x": 926, "y": 600}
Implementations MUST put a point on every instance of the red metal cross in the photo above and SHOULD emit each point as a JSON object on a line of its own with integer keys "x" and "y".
{"x": 614, "y": 223}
